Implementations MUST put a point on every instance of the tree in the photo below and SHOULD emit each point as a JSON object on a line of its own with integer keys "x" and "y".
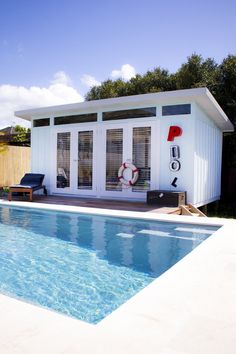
{"x": 20, "y": 134}
{"x": 153, "y": 81}
{"x": 197, "y": 73}
{"x": 226, "y": 92}
{"x": 156, "y": 80}
{"x": 108, "y": 89}
{"x": 3, "y": 144}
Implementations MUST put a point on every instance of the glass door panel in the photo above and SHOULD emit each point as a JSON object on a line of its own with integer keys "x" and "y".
{"x": 85, "y": 160}
{"x": 63, "y": 160}
{"x": 142, "y": 157}
{"x": 114, "y": 158}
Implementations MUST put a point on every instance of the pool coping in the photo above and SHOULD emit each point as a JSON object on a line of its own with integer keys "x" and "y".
{"x": 117, "y": 213}
{"x": 188, "y": 309}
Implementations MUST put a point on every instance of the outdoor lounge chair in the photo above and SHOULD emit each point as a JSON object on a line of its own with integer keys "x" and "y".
{"x": 29, "y": 183}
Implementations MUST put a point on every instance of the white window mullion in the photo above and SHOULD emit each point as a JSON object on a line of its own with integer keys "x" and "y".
{"x": 155, "y": 155}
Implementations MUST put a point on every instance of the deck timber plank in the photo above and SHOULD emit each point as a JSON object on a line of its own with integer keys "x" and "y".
{"x": 101, "y": 203}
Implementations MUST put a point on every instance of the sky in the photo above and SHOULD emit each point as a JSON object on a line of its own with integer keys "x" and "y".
{"x": 54, "y": 51}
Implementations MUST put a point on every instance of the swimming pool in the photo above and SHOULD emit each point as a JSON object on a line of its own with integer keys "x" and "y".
{"x": 86, "y": 266}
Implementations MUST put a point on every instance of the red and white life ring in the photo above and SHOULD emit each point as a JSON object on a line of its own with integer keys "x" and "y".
{"x": 121, "y": 178}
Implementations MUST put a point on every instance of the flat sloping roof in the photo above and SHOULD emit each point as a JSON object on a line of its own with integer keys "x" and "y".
{"x": 201, "y": 96}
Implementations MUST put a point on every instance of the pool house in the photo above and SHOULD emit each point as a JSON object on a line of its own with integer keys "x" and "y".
{"x": 120, "y": 148}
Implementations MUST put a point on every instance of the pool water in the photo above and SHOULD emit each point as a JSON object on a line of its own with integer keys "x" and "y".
{"x": 86, "y": 266}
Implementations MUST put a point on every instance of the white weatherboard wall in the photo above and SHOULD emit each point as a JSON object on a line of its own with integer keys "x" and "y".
{"x": 185, "y": 142}
{"x": 200, "y": 156}
{"x": 207, "y": 159}
{"x": 41, "y": 152}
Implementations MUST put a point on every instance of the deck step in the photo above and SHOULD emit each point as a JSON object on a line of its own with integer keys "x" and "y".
{"x": 191, "y": 210}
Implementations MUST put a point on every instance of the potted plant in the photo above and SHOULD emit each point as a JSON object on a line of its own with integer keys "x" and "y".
{"x": 5, "y": 191}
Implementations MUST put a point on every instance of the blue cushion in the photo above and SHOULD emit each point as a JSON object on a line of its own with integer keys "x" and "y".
{"x": 34, "y": 179}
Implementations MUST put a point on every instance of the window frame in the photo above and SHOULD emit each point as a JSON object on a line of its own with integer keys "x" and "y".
{"x": 127, "y": 114}
{"x": 176, "y": 109}
{"x": 41, "y": 120}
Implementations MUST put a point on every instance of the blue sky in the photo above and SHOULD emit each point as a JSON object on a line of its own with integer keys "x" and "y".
{"x": 51, "y": 51}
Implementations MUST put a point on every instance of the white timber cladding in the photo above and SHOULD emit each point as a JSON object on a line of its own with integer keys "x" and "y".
{"x": 207, "y": 159}
{"x": 199, "y": 146}
{"x": 186, "y": 148}
{"x": 41, "y": 152}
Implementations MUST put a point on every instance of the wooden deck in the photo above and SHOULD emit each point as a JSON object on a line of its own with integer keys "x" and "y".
{"x": 99, "y": 203}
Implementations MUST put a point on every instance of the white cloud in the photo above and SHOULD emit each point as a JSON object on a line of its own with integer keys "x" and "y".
{"x": 61, "y": 77}
{"x": 60, "y": 91}
{"x": 14, "y": 98}
{"x": 89, "y": 81}
{"x": 126, "y": 72}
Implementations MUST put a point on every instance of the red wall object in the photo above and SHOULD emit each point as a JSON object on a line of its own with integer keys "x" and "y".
{"x": 174, "y": 132}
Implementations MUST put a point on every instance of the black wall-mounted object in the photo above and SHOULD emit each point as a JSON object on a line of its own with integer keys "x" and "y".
{"x": 173, "y": 183}
{"x": 166, "y": 198}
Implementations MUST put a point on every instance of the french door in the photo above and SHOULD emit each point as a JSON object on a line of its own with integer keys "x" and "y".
{"x": 130, "y": 143}
{"x": 74, "y": 171}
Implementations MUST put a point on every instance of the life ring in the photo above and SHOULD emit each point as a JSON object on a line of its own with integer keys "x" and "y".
{"x": 134, "y": 169}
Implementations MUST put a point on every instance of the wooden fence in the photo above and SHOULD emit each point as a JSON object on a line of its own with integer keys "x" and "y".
{"x": 14, "y": 163}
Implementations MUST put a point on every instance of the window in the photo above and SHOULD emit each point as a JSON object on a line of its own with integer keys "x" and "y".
{"x": 63, "y": 160}
{"x": 79, "y": 118}
{"x": 142, "y": 157}
{"x": 43, "y": 122}
{"x": 176, "y": 109}
{"x": 130, "y": 113}
{"x": 114, "y": 156}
